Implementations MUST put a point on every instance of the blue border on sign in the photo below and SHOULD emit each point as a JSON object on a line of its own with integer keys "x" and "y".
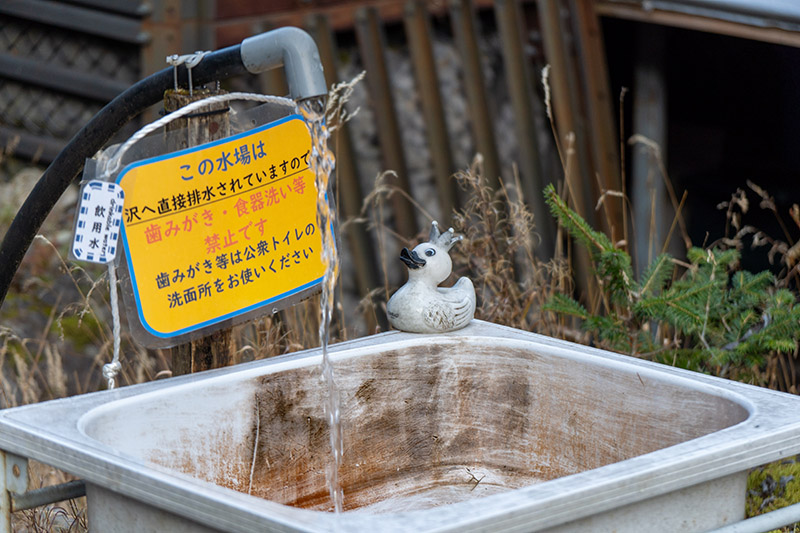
{"x": 233, "y": 314}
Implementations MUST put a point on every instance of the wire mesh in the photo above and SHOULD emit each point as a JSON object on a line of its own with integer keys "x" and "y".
{"x": 57, "y": 113}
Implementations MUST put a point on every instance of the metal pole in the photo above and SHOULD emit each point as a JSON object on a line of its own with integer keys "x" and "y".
{"x": 765, "y": 522}
{"x": 47, "y": 495}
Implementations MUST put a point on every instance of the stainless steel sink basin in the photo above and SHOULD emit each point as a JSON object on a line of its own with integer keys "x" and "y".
{"x": 488, "y": 428}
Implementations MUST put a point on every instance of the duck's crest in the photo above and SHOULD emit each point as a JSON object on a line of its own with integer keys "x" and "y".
{"x": 446, "y": 240}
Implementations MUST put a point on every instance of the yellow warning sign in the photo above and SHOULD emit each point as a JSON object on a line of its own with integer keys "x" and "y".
{"x": 218, "y": 230}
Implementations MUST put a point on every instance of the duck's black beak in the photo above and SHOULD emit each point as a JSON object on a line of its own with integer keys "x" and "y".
{"x": 411, "y": 259}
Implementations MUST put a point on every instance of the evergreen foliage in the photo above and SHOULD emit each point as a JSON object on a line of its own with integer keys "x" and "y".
{"x": 709, "y": 315}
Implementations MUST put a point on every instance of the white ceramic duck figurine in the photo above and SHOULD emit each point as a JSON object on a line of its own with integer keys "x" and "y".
{"x": 421, "y": 306}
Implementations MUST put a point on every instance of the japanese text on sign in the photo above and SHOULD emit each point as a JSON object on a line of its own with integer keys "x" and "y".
{"x": 98, "y": 224}
{"x": 220, "y": 229}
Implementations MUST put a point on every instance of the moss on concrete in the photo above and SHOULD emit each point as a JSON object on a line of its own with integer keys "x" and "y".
{"x": 772, "y": 487}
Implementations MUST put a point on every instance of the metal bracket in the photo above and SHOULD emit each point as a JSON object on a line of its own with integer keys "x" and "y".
{"x": 14, "y": 493}
{"x": 47, "y": 495}
{"x": 13, "y": 479}
{"x": 190, "y": 60}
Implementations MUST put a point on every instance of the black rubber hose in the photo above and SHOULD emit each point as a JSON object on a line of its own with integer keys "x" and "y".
{"x": 67, "y": 166}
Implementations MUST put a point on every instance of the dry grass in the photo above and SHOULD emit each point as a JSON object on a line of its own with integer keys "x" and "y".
{"x": 60, "y": 517}
{"x": 498, "y": 254}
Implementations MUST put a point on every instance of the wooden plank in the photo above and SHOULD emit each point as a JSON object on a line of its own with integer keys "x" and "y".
{"x": 85, "y": 20}
{"x": 509, "y": 19}
{"x": 62, "y": 79}
{"x": 196, "y": 23}
{"x": 350, "y": 196}
{"x": 567, "y": 107}
{"x": 566, "y": 104}
{"x": 599, "y": 110}
{"x": 164, "y": 25}
{"x": 418, "y": 32}
{"x": 341, "y": 15}
{"x": 135, "y": 8}
{"x": 464, "y": 27}
{"x": 37, "y": 148}
{"x": 697, "y": 23}
{"x": 248, "y": 8}
{"x": 372, "y": 45}
{"x": 216, "y": 349}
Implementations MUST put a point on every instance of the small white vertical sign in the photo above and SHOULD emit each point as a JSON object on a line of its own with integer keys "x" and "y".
{"x": 99, "y": 222}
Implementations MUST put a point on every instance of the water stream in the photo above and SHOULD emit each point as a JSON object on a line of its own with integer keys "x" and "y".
{"x": 322, "y": 163}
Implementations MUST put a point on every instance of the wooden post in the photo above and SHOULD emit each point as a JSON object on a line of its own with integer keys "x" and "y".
{"x": 464, "y": 23}
{"x": 567, "y": 106}
{"x": 163, "y": 25}
{"x": 372, "y": 45}
{"x": 420, "y": 44}
{"x": 350, "y": 195}
{"x": 599, "y": 109}
{"x": 207, "y": 124}
{"x": 509, "y": 19}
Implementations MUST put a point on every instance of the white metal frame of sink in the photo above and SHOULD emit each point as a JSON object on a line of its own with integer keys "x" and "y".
{"x": 50, "y": 433}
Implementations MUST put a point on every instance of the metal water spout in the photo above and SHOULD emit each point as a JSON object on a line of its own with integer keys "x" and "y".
{"x": 293, "y": 49}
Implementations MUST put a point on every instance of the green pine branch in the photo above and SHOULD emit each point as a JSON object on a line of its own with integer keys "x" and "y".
{"x": 564, "y": 305}
{"x": 595, "y": 241}
{"x": 714, "y": 313}
{"x": 654, "y": 278}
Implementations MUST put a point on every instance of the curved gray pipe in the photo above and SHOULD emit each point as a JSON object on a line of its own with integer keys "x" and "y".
{"x": 296, "y": 51}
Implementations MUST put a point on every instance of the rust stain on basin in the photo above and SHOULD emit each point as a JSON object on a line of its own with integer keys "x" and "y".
{"x": 434, "y": 424}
